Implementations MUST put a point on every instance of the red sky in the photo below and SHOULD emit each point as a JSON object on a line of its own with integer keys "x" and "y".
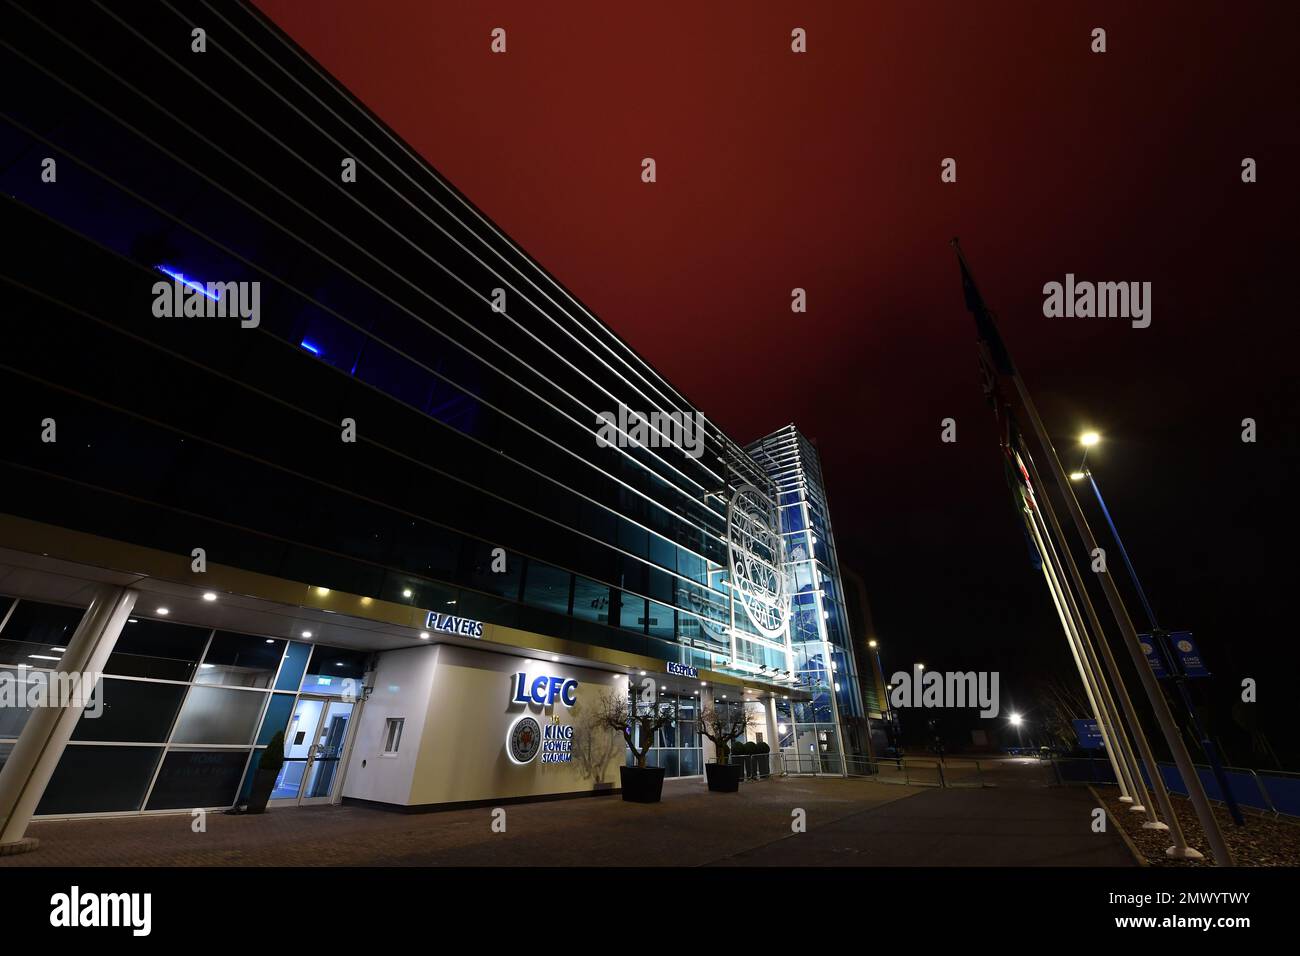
{"x": 822, "y": 171}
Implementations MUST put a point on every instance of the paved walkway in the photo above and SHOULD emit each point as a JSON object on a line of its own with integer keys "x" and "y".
{"x": 849, "y": 822}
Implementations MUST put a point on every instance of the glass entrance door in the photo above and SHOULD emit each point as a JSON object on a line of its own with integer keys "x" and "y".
{"x": 314, "y": 746}
{"x": 325, "y": 765}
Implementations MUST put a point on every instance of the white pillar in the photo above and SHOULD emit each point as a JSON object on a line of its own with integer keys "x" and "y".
{"x": 773, "y": 735}
{"x": 710, "y": 750}
{"x": 40, "y": 745}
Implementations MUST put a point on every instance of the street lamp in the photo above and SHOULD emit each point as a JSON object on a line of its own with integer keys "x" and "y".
{"x": 890, "y": 714}
{"x": 1088, "y": 439}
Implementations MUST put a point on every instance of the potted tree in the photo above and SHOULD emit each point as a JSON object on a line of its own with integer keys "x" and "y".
{"x": 595, "y": 745}
{"x": 722, "y": 725}
{"x": 267, "y": 771}
{"x": 641, "y": 784}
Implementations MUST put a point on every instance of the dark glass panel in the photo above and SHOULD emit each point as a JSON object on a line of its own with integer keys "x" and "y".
{"x": 92, "y": 779}
{"x": 335, "y": 670}
{"x": 40, "y": 629}
{"x": 241, "y": 660}
{"x": 197, "y": 778}
{"x": 159, "y": 649}
{"x": 547, "y": 587}
{"x": 130, "y": 710}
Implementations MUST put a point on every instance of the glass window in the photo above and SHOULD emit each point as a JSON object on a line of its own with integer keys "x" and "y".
{"x": 240, "y": 660}
{"x": 663, "y": 553}
{"x": 590, "y": 601}
{"x": 661, "y": 622}
{"x": 36, "y": 634}
{"x": 277, "y": 717}
{"x": 334, "y": 670}
{"x": 13, "y": 695}
{"x": 130, "y": 710}
{"x": 393, "y": 734}
{"x": 295, "y": 663}
{"x": 547, "y": 587}
{"x": 197, "y": 778}
{"x": 213, "y": 715}
{"x": 633, "y": 614}
{"x": 92, "y": 779}
{"x": 484, "y": 576}
{"x": 668, "y": 760}
{"x": 251, "y": 773}
{"x": 159, "y": 649}
{"x": 690, "y": 763}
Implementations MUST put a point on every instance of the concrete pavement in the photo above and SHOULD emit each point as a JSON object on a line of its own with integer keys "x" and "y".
{"x": 849, "y": 822}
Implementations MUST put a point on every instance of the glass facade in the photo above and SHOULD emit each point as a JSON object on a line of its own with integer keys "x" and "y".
{"x": 819, "y": 630}
{"x": 184, "y": 713}
{"x": 382, "y": 428}
{"x": 475, "y": 428}
{"x": 677, "y": 747}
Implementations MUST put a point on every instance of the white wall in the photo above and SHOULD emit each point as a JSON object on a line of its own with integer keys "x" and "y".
{"x": 404, "y": 682}
{"x": 458, "y": 706}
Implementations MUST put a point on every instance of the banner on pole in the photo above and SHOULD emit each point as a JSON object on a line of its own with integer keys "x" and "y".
{"x": 1154, "y": 658}
{"x": 1188, "y": 654}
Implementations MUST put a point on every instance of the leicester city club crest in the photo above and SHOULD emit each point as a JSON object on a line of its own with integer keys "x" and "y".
{"x": 525, "y": 739}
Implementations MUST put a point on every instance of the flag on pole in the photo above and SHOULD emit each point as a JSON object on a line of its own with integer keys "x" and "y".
{"x": 995, "y": 366}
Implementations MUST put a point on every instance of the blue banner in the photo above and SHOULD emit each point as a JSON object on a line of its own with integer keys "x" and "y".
{"x": 1187, "y": 653}
{"x": 1156, "y": 659}
{"x": 1088, "y": 734}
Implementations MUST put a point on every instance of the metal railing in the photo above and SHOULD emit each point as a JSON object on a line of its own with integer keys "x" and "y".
{"x": 1270, "y": 791}
{"x": 1274, "y": 792}
{"x": 909, "y": 771}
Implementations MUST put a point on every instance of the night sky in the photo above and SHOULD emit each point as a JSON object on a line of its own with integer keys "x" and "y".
{"x": 822, "y": 171}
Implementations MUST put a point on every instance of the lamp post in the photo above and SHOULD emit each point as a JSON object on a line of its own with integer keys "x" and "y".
{"x": 891, "y": 714}
{"x": 1088, "y": 440}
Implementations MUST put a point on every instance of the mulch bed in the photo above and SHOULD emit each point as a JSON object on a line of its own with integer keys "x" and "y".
{"x": 1263, "y": 841}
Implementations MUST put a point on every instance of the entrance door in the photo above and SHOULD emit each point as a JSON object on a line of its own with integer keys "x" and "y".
{"x": 314, "y": 746}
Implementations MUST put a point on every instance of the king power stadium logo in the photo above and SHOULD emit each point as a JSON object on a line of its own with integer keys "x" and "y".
{"x": 525, "y": 740}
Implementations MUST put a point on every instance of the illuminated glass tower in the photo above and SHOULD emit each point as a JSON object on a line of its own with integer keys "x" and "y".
{"x": 832, "y": 723}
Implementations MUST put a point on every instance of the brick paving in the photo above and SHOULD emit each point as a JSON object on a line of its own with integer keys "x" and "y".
{"x": 848, "y": 821}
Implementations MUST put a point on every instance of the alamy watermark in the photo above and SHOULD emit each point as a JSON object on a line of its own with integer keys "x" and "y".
{"x": 186, "y": 298}
{"x": 923, "y": 688}
{"x": 30, "y": 688}
{"x": 1102, "y": 300}
{"x": 629, "y": 429}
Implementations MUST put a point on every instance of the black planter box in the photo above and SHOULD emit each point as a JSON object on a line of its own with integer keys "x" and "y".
{"x": 722, "y": 777}
{"x": 263, "y": 784}
{"x": 642, "y": 784}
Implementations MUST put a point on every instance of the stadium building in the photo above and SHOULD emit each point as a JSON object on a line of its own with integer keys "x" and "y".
{"x": 297, "y": 440}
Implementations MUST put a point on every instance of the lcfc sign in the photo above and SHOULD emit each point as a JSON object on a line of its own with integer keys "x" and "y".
{"x": 544, "y": 690}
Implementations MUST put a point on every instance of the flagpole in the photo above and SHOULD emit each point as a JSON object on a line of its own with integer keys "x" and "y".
{"x": 1140, "y": 793}
{"x": 1173, "y": 739}
{"x": 1071, "y": 638}
{"x": 1130, "y": 763}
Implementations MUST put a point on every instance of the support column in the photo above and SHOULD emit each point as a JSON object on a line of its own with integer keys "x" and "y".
{"x": 773, "y": 738}
{"x": 29, "y": 768}
{"x": 708, "y": 748}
